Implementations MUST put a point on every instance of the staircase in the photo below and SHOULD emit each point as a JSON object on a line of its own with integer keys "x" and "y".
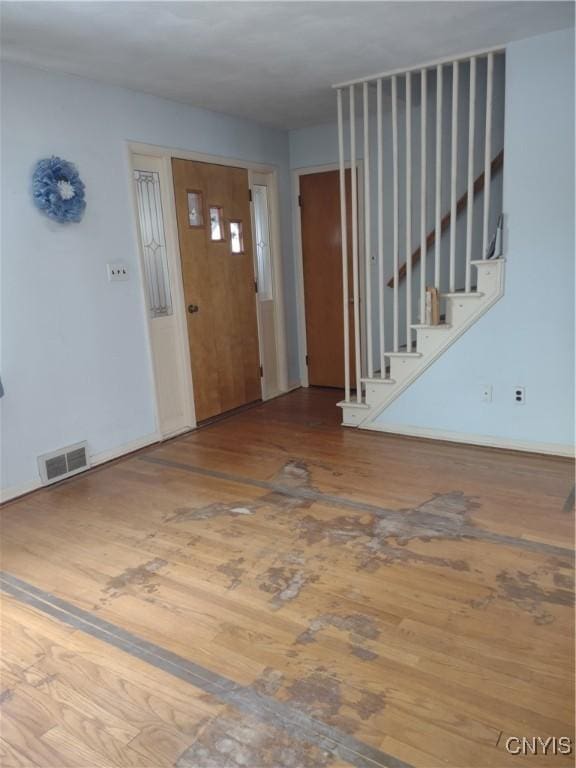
{"x": 462, "y": 310}
{"x": 390, "y": 356}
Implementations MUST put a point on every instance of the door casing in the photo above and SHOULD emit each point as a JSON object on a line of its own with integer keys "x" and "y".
{"x": 297, "y": 228}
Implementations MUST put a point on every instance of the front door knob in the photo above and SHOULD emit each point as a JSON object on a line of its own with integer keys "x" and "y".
{"x": 193, "y": 308}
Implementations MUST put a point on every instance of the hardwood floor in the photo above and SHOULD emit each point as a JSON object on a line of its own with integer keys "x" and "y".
{"x": 274, "y": 590}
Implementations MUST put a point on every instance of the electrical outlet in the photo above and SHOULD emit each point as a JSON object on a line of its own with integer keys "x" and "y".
{"x": 519, "y": 395}
{"x": 117, "y": 272}
{"x": 487, "y": 393}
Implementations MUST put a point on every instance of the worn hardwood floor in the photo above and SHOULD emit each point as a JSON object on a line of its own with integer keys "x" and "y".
{"x": 411, "y": 600}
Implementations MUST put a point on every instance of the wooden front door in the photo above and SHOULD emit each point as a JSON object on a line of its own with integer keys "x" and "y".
{"x": 322, "y": 263}
{"x": 213, "y": 212}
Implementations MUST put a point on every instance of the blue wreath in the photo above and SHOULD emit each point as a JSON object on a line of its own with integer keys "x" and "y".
{"x": 58, "y": 190}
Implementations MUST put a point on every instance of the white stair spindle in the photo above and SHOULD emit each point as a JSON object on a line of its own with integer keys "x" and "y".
{"x": 367, "y": 234}
{"x": 470, "y": 193}
{"x": 355, "y": 280}
{"x": 438, "y": 187}
{"x": 487, "y": 152}
{"x": 409, "y": 212}
{"x": 344, "y": 235}
{"x": 454, "y": 176}
{"x": 423, "y": 245}
{"x": 381, "y": 287}
{"x": 395, "y": 207}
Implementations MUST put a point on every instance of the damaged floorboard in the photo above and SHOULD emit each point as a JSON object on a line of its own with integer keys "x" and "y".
{"x": 410, "y": 601}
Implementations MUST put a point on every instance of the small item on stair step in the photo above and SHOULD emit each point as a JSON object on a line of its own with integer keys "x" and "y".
{"x": 432, "y": 314}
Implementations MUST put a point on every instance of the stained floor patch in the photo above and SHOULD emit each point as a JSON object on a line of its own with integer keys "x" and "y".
{"x": 320, "y": 694}
{"x": 382, "y": 539}
{"x": 525, "y": 590}
{"x": 233, "y": 570}
{"x": 284, "y": 583}
{"x": 359, "y": 628}
{"x": 245, "y": 742}
{"x": 140, "y": 576}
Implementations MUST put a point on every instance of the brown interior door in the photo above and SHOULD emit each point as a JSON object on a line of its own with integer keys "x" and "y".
{"x": 322, "y": 263}
{"x": 212, "y": 202}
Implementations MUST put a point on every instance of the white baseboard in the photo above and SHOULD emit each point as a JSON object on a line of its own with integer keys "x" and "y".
{"x": 116, "y": 453}
{"x": 7, "y": 494}
{"x": 488, "y": 441}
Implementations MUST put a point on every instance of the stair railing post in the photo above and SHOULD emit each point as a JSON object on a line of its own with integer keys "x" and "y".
{"x": 344, "y": 237}
{"x": 438, "y": 187}
{"x": 367, "y": 234}
{"x": 381, "y": 286}
{"x": 408, "y": 211}
{"x": 454, "y": 176}
{"x": 423, "y": 197}
{"x": 487, "y": 152}
{"x": 395, "y": 207}
{"x": 355, "y": 280}
{"x": 470, "y": 196}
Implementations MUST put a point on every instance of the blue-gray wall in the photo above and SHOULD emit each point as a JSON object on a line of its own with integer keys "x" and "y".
{"x": 75, "y": 361}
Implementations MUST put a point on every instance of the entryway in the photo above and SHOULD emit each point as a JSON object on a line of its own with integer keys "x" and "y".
{"x": 215, "y": 289}
{"x": 215, "y": 234}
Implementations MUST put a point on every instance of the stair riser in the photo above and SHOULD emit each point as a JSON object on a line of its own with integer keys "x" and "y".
{"x": 429, "y": 341}
{"x": 459, "y": 311}
{"x": 401, "y": 368}
{"x": 488, "y": 279}
{"x": 375, "y": 393}
{"x": 352, "y": 417}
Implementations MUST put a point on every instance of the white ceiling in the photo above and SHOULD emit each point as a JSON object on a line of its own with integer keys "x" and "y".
{"x": 273, "y": 62}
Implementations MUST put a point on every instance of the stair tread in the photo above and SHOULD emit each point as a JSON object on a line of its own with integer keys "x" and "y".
{"x": 378, "y": 380}
{"x": 480, "y": 262}
{"x": 438, "y": 325}
{"x": 462, "y": 295}
{"x": 403, "y": 354}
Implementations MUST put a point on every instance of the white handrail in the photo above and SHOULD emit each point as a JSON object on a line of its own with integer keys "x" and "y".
{"x": 462, "y": 57}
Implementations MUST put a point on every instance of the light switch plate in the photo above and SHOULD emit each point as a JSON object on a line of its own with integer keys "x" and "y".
{"x": 117, "y": 272}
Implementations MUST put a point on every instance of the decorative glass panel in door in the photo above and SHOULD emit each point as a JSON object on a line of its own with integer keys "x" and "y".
{"x": 216, "y": 223}
{"x": 262, "y": 235}
{"x": 236, "y": 237}
{"x": 151, "y": 225}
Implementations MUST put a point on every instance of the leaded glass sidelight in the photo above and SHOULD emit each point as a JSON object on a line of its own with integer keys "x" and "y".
{"x": 153, "y": 241}
{"x": 262, "y": 232}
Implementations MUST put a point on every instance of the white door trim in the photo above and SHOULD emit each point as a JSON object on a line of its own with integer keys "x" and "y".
{"x": 163, "y": 166}
{"x": 166, "y": 154}
{"x": 277, "y": 279}
{"x": 297, "y": 231}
